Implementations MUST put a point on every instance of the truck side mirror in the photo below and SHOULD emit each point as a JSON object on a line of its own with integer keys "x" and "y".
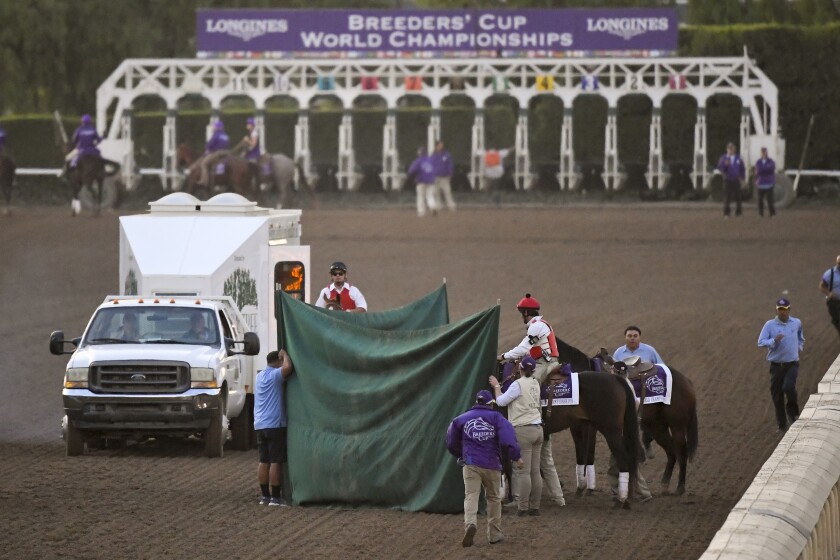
{"x": 251, "y": 345}
{"x": 57, "y": 343}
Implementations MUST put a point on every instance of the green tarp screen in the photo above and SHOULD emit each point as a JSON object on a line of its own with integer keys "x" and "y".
{"x": 368, "y": 408}
{"x": 431, "y": 310}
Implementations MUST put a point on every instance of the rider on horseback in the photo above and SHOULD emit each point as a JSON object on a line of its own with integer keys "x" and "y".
{"x": 83, "y": 143}
{"x": 216, "y": 149}
{"x": 539, "y": 343}
{"x": 253, "y": 151}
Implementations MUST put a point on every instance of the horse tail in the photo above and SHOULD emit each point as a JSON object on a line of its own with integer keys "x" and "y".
{"x": 691, "y": 438}
{"x": 630, "y": 430}
{"x": 113, "y": 165}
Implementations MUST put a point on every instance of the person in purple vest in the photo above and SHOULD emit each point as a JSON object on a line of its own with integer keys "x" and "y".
{"x": 443, "y": 172}
{"x": 765, "y": 181}
{"x": 423, "y": 172}
{"x": 215, "y": 150}
{"x": 477, "y": 438}
{"x": 731, "y": 166}
{"x": 84, "y": 141}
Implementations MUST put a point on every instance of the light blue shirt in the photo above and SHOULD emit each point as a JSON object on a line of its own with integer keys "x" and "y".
{"x": 644, "y": 351}
{"x": 787, "y": 349}
{"x": 269, "y": 411}
{"x": 827, "y": 280}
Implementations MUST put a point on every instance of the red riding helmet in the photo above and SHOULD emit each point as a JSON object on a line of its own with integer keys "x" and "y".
{"x": 527, "y": 303}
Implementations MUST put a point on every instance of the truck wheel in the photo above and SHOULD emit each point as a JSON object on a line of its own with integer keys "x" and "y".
{"x": 240, "y": 427}
{"x": 75, "y": 440}
{"x": 214, "y": 437}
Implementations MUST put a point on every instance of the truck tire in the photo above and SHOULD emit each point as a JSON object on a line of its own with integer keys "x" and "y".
{"x": 75, "y": 440}
{"x": 783, "y": 193}
{"x": 214, "y": 437}
{"x": 241, "y": 426}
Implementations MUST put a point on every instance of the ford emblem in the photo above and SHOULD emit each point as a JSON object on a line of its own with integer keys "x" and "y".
{"x": 138, "y": 377}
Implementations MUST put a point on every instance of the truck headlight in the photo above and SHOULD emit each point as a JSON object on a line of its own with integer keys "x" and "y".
{"x": 202, "y": 378}
{"x": 76, "y": 378}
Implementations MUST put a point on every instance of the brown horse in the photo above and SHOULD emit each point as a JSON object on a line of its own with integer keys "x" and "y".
{"x": 607, "y": 405}
{"x": 673, "y": 426}
{"x": 90, "y": 169}
{"x": 7, "y": 178}
{"x": 237, "y": 175}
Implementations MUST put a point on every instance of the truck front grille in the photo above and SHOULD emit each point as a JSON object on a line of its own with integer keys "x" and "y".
{"x": 139, "y": 377}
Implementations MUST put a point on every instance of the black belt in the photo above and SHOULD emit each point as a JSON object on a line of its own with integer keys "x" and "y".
{"x": 784, "y": 363}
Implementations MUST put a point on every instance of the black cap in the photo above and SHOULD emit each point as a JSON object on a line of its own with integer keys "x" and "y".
{"x": 338, "y": 265}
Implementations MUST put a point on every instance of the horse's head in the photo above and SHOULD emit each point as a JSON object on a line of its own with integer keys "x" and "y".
{"x": 333, "y": 304}
{"x": 184, "y": 156}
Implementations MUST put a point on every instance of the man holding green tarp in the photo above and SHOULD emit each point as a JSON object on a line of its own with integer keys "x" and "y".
{"x": 367, "y": 407}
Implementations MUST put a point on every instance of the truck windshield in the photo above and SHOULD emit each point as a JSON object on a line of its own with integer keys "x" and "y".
{"x": 153, "y": 325}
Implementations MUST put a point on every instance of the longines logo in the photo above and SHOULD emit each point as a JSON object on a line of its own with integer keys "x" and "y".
{"x": 247, "y": 29}
{"x": 627, "y": 28}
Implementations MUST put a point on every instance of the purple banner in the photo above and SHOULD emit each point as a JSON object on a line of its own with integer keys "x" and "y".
{"x": 434, "y": 32}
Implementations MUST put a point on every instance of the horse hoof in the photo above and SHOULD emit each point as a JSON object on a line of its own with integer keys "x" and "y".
{"x": 590, "y": 492}
{"x": 626, "y": 504}
{"x": 680, "y": 490}
{"x": 579, "y": 492}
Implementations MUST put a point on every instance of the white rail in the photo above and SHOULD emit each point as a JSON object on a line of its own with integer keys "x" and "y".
{"x": 792, "y": 508}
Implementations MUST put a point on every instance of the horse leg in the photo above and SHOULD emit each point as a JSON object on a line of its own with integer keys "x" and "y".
{"x": 76, "y": 185}
{"x": 578, "y": 436}
{"x": 624, "y": 464}
{"x": 98, "y": 197}
{"x": 679, "y": 439}
{"x": 590, "y": 459}
{"x": 647, "y": 439}
{"x": 662, "y": 435}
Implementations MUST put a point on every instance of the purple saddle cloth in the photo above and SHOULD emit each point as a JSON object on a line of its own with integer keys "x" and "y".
{"x": 656, "y": 387}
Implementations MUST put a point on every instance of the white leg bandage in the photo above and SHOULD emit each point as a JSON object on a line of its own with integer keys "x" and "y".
{"x": 623, "y": 484}
{"x": 581, "y": 478}
{"x": 590, "y": 477}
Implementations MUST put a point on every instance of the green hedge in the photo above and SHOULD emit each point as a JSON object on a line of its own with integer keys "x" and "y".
{"x": 802, "y": 61}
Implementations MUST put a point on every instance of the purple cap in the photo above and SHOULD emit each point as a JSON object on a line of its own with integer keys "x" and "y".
{"x": 250, "y": 121}
{"x": 86, "y": 119}
{"x": 528, "y": 363}
{"x": 783, "y": 303}
{"x": 484, "y": 397}
{"x": 219, "y": 125}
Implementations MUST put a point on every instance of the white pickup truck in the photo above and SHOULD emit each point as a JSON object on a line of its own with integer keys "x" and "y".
{"x": 159, "y": 366}
{"x": 137, "y": 371}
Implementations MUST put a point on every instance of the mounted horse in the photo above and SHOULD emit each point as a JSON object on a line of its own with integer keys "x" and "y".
{"x": 672, "y": 423}
{"x": 587, "y": 402}
{"x": 7, "y": 178}
{"x": 270, "y": 180}
{"x": 90, "y": 169}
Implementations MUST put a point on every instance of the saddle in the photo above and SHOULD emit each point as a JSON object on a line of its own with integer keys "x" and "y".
{"x": 558, "y": 374}
{"x": 639, "y": 369}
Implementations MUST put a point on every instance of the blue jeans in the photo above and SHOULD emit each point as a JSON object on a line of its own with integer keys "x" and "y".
{"x": 783, "y": 383}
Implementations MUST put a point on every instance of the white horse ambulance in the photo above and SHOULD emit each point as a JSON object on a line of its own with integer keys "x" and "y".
{"x": 175, "y": 353}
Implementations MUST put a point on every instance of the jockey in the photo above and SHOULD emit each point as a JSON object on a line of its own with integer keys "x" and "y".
{"x": 539, "y": 343}
{"x": 83, "y": 142}
{"x": 252, "y": 141}
{"x": 349, "y": 297}
{"x": 218, "y": 142}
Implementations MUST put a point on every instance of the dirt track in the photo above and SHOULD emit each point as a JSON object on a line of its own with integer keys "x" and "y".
{"x": 699, "y": 287}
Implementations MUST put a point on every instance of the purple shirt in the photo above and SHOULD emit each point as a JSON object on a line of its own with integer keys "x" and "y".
{"x": 732, "y": 167}
{"x": 443, "y": 163}
{"x": 85, "y": 139}
{"x": 253, "y": 154}
{"x": 219, "y": 141}
{"x": 765, "y": 171}
{"x": 423, "y": 170}
{"x": 478, "y": 436}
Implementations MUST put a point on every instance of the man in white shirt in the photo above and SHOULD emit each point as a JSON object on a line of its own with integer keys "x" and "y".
{"x": 340, "y": 295}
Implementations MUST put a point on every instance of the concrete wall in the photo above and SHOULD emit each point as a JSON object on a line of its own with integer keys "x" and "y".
{"x": 792, "y": 508}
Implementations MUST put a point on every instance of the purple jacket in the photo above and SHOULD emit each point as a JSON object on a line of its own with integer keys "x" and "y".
{"x": 219, "y": 141}
{"x": 85, "y": 139}
{"x": 423, "y": 170}
{"x": 765, "y": 171}
{"x": 443, "y": 163}
{"x": 733, "y": 170}
{"x": 478, "y": 436}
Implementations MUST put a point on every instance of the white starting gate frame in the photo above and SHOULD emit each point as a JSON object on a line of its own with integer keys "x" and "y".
{"x": 435, "y": 79}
